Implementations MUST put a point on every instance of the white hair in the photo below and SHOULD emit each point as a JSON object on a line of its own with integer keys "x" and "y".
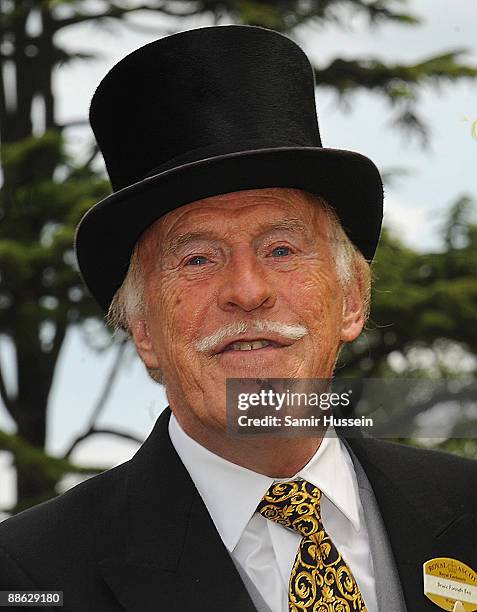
{"x": 128, "y": 304}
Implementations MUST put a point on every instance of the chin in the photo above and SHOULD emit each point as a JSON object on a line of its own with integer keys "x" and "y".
{"x": 259, "y": 369}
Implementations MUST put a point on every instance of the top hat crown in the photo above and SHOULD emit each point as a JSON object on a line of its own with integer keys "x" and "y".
{"x": 210, "y": 111}
{"x": 200, "y": 93}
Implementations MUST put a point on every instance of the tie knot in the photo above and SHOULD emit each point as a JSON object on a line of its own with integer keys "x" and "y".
{"x": 294, "y": 504}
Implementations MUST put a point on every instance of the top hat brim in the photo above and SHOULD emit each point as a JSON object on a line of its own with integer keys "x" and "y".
{"x": 348, "y": 181}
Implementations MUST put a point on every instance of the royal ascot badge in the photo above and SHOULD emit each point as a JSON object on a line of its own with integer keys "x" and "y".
{"x": 450, "y": 584}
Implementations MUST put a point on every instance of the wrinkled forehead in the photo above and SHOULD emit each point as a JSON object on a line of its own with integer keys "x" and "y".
{"x": 280, "y": 207}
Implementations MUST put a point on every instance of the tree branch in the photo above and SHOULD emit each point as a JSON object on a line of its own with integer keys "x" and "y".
{"x": 92, "y": 156}
{"x": 3, "y": 101}
{"x": 108, "y": 385}
{"x": 93, "y": 431}
{"x": 169, "y": 13}
{"x": 73, "y": 123}
{"x": 90, "y": 428}
{"x": 144, "y": 29}
{"x": 116, "y": 12}
{"x": 6, "y": 399}
{"x": 396, "y": 81}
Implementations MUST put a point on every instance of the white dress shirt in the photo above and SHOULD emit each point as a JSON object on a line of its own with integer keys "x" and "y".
{"x": 265, "y": 550}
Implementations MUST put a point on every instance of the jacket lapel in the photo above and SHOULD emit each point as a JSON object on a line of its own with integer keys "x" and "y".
{"x": 165, "y": 550}
{"x": 168, "y": 553}
{"x": 422, "y": 515}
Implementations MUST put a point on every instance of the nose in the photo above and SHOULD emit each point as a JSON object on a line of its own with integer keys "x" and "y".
{"x": 246, "y": 285}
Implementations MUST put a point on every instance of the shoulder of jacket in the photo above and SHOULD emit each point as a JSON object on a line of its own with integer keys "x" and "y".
{"x": 72, "y": 516}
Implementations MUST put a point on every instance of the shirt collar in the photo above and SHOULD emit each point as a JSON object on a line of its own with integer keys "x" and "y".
{"x": 331, "y": 470}
{"x": 231, "y": 492}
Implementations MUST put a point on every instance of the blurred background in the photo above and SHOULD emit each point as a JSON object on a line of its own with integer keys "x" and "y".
{"x": 396, "y": 81}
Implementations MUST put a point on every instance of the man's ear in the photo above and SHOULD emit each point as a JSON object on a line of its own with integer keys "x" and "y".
{"x": 353, "y": 312}
{"x": 143, "y": 342}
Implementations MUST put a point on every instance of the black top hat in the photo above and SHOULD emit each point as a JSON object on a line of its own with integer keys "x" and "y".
{"x": 205, "y": 112}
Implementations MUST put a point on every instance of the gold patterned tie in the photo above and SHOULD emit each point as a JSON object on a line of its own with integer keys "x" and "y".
{"x": 320, "y": 580}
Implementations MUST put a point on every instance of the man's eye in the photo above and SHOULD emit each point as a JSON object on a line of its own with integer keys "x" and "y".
{"x": 281, "y": 251}
{"x": 198, "y": 260}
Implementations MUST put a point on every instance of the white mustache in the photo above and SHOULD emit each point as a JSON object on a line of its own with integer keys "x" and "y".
{"x": 287, "y": 331}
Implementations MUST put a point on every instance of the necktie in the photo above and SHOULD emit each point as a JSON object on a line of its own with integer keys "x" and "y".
{"x": 320, "y": 580}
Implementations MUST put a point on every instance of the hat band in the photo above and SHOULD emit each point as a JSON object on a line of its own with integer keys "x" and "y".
{"x": 216, "y": 150}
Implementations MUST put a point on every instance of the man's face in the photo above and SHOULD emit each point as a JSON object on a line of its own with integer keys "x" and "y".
{"x": 243, "y": 257}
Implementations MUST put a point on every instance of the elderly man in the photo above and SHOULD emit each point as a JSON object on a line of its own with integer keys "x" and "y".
{"x": 236, "y": 246}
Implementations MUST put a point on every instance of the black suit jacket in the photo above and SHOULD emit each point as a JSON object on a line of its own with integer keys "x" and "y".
{"x": 139, "y": 538}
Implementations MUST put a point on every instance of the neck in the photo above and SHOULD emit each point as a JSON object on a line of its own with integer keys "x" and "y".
{"x": 275, "y": 457}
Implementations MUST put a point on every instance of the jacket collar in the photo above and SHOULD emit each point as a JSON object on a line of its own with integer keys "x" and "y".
{"x": 420, "y": 497}
{"x": 167, "y": 548}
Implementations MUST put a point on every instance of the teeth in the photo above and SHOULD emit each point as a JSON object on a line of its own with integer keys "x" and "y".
{"x": 249, "y": 346}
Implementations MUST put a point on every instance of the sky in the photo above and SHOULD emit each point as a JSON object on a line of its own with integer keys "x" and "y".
{"x": 415, "y": 203}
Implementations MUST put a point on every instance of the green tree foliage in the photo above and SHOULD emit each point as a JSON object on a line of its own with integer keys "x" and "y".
{"x": 421, "y": 300}
{"x": 44, "y": 195}
{"x": 41, "y": 293}
{"x": 424, "y": 314}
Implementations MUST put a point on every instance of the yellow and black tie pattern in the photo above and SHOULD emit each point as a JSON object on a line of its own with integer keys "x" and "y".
{"x": 320, "y": 580}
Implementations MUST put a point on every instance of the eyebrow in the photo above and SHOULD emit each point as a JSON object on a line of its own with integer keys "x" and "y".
{"x": 291, "y": 224}
{"x": 185, "y": 239}
{"x": 181, "y": 240}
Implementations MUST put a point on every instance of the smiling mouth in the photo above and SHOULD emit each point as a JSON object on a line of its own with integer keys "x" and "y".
{"x": 251, "y": 345}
